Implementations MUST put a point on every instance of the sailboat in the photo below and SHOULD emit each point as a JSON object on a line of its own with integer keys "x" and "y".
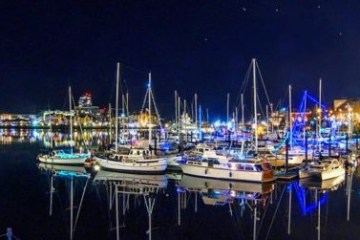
{"x": 60, "y": 156}
{"x": 322, "y": 169}
{"x": 138, "y": 160}
{"x": 249, "y": 169}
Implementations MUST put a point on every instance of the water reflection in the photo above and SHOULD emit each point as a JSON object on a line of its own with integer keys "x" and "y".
{"x": 314, "y": 193}
{"x": 69, "y": 183}
{"x": 130, "y": 188}
{"x": 50, "y": 138}
{"x": 235, "y": 195}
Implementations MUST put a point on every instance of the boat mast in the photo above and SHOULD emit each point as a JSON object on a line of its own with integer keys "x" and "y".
{"x": 242, "y": 112}
{"x": 71, "y": 120}
{"x": 149, "y": 87}
{"x": 117, "y": 107}
{"x": 227, "y": 107}
{"x": 304, "y": 117}
{"x": 320, "y": 92}
{"x": 255, "y": 110}
{"x": 110, "y": 124}
{"x": 196, "y": 111}
{"x": 290, "y": 118}
{"x": 320, "y": 110}
{"x": 176, "y": 117}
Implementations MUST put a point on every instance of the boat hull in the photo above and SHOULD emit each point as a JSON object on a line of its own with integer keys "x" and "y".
{"x": 62, "y": 160}
{"x": 154, "y": 166}
{"x": 324, "y": 175}
{"x": 227, "y": 174}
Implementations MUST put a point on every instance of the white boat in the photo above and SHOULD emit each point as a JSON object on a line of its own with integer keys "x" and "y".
{"x": 322, "y": 169}
{"x": 137, "y": 160}
{"x": 252, "y": 170}
{"x": 62, "y": 157}
{"x": 205, "y": 151}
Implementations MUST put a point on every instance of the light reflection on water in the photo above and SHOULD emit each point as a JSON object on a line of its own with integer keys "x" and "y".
{"x": 73, "y": 203}
{"x": 53, "y": 138}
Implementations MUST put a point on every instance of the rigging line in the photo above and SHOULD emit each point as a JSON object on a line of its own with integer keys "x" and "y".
{"x": 260, "y": 106}
{"x": 156, "y": 109}
{"x": 277, "y": 208}
{"x": 263, "y": 83}
{"x": 77, "y": 117}
{"x": 145, "y": 98}
{"x": 281, "y": 100}
{"x": 81, "y": 201}
{"x": 138, "y": 70}
{"x": 263, "y": 218}
{"x": 244, "y": 84}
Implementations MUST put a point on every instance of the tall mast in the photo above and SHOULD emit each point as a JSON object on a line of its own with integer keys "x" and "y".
{"x": 127, "y": 104}
{"x": 207, "y": 116}
{"x": 227, "y": 107}
{"x": 179, "y": 116}
{"x": 110, "y": 124}
{"x": 271, "y": 115}
{"x": 290, "y": 118}
{"x": 196, "y": 110}
{"x": 305, "y": 107}
{"x": 149, "y": 86}
{"x": 176, "y": 111}
{"x": 255, "y": 109}
{"x": 267, "y": 119}
{"x": 242, "y": 111}
{"x": 320, "y": 111}
{"x": 123, "y": 105}
{"x": 236, "y": 118}
{"x": 71, "y": 119}
{"x": 117, "y": 106}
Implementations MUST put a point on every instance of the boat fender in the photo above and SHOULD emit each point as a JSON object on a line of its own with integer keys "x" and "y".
{"x": 206, "y": 171}
{"x": 230, "y": 174}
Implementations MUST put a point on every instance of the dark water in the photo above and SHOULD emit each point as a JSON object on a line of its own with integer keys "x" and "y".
{"x": 84, "y": 207}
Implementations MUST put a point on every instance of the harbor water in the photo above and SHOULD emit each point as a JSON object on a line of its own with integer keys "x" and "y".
{"x": 61, "y": 202}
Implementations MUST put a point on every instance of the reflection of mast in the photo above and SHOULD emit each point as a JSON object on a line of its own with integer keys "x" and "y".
{"x": 149, "y": 207}
{"x": 255, "y": 219}
{"x": 179, "y": 208}
{"x": 149, "y": 203}
{"x": 319, "y": 213}
{"x": 127, "y": 185}
{"x": 348, "y": 193}
{"x": 72, "y": 224}
{"x": 289, "y": 216}
{"x": 51, "y": 194}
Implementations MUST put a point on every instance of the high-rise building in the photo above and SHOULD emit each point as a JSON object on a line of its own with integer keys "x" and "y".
{"x": 85, "y": 101}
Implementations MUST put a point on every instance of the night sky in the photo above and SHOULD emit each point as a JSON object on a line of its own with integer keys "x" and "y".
{"x": 189, "y": 46}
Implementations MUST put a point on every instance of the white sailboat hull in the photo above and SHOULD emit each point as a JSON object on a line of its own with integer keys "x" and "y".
{"x": 78, "y": 160}
{"x": 323, "y": 175}
{"x": 224, "y": 173}
{"x": 150, "y": 166}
